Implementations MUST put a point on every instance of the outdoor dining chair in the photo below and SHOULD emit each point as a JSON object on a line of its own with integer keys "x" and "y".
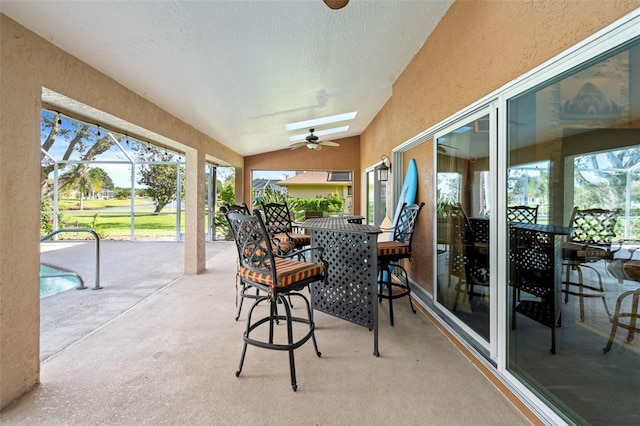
{"x": 282, "y": 247}
{"x": 626, "y": 316}
{"x": 278, "y": 278}
{"x": 532, "y": 270}
{"x": 469, "y": 254}
{"x": 391, "y": 252}
{"x": 278, "y": 220}
{"x": 242, "y": 290}
{"x": 590, "y": 242}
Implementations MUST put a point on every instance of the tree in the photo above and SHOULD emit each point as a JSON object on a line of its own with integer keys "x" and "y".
{"x": 270, "y": 195}
{"x": 224, "y": 174}
{"x": 73, "y": 137}
{"x": 98, "y": 179}
{"x": 227, "y": 192}
{"x": 600, "y": 179}
{"x": 159, "y": 174}
{"x": 82, "y": 185}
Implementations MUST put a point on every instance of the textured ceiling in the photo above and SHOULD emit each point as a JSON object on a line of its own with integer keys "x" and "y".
{"x": 240, "y": 70}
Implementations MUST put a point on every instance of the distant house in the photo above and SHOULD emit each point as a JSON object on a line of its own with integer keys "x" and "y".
{"x": 259, "y": 186}
{"x": 321, "y": 184}
{"x": 106, "y": 194}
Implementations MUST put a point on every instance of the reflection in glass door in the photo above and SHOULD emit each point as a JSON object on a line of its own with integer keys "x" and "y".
{"x": 573, "y": 153}
{"x": 464, "y": 209}
{"x": 376, "y": 199}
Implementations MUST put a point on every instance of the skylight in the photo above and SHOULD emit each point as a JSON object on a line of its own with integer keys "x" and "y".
{"x": 320, "y": 121}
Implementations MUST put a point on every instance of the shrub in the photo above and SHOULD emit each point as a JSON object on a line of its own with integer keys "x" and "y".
{"x": 46, "y": 216}
{"x": 122, "y": 193}
{"x": 331, "y": 204}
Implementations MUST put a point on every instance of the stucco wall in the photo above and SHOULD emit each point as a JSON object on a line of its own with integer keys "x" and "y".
{"x": 29, "y": 64}
{"x": 343, "y": 157}
{"x": 477, "y": 48}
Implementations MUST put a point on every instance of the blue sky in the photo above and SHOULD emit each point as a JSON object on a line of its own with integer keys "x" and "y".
{"x": 272, "y": 174}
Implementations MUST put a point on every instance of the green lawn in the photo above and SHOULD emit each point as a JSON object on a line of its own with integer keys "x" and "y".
{"x": 118, "y": 226}
{"x": 90, "y": 204}
{"x": 116, "y": 223}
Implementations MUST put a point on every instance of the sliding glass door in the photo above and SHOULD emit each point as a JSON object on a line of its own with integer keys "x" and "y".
{"x": 573, "y": 152}
{"x": 464, "y": 207}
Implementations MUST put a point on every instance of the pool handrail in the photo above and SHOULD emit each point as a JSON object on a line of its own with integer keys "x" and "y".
{"x": 76, "y": 275}
{"x": 97, "y": 238}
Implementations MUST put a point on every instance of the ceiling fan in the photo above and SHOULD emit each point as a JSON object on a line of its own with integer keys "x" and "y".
{"x": 312, "y": 142}
{"x": 441, "y": 146}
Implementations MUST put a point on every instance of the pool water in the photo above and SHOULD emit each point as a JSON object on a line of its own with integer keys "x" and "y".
{"x": 53, "y": 285}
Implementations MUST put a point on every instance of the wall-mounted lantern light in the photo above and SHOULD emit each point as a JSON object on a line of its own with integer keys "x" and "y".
{"x": 383, "y": 169}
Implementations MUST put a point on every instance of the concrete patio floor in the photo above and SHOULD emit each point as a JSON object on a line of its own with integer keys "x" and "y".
{"x": 156, "y": 347}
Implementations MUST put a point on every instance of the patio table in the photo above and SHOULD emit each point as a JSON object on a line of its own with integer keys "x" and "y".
{"x": 351, "y": 291}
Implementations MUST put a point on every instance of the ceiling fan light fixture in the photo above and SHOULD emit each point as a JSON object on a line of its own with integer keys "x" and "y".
{"x": 336, "y": 4}
{"x": 312, "y": 142}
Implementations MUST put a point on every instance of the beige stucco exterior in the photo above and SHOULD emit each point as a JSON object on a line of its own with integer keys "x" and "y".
{"x": 478, "y": 47}
{"x": 28, "y": 65}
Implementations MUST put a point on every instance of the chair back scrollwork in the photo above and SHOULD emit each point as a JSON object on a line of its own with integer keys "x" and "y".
{"x": 522, "y": 214}
{"x": 254, "y": 243}
{"x": 406, "y": 223}
{"x": 594, "y": 227}
{"x": 277, "y": 217}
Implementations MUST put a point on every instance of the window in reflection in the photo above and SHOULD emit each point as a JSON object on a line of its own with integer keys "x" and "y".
{"x": 574, "y": 153}
{"x": 528, "y": 185}
{"x": 376, "y": 199}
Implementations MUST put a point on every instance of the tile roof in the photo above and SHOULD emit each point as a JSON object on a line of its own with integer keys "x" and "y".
{"x": 312, "y": 178}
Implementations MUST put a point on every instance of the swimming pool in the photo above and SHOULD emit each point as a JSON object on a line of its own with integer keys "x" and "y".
{"x": 50, "y": 285}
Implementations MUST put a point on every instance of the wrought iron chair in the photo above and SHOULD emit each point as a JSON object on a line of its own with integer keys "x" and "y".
{"x": 522, "y": 214}
{"x": 244, "y": 209}
{"x": 532, "y": 271}
{"x": 276, "y": 277}
{"x": 282, "y": 247}
{"x": 591, "y": 241}
{"x": 626, "y": 313}
{"x": 278, "y": 220}
{"x": 391, "y": 252}
{"x": 469, "y": 257}
{"x": 624, "y": 310}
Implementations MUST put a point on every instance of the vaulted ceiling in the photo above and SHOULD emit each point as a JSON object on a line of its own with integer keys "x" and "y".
{"x": 240, "y": 70}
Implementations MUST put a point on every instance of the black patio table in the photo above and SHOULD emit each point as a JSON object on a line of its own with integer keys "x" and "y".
{"x": 351, "y": 292}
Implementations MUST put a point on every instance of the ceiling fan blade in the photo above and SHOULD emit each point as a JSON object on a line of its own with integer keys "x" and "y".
{"x": 441, "y": 147}
{"x": 329, "y": 143}
{"x": 297, "y": 145}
